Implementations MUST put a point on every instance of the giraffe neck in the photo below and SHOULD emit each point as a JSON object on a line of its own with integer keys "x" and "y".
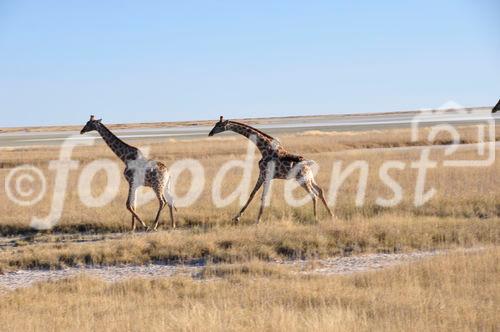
{"x": 263, "y": 141}
{"x": 121, "y": 149}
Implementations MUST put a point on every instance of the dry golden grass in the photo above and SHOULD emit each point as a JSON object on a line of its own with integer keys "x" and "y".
{"x": 455, "y": 292}
{"x": 461, "y": 192}
{"x": 274, "y": 240}
{"x": 464, "y": 212}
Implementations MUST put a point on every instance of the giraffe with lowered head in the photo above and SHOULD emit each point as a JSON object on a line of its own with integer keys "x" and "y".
{"x": 276, "y": 163}
{"x": 139, "y": 171}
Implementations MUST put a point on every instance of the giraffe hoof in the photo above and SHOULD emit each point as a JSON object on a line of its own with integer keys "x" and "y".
{"x": 236, "y": 219}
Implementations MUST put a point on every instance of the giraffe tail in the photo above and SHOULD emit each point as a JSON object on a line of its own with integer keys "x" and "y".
{"x": 170, "y": 201}
{"x": 168, "y": 196}
{"x": 309, "y": 162}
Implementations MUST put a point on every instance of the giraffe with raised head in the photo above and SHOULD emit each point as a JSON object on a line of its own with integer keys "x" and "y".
{"x": 139, "y": 171}
{"x": 276, "y": 163}
{"x": 496, "y": 108}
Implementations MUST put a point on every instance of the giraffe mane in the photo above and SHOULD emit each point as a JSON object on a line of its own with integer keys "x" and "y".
{"x": 254, "y": 129}
{"x": 117, "y": 138}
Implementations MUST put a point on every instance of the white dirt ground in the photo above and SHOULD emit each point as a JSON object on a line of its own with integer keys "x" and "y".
{"x": 330, "y": 266}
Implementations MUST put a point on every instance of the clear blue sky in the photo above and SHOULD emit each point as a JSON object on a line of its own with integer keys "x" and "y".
{"x": 130, "y": 61}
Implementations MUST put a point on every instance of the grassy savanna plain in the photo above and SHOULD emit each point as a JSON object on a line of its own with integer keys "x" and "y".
{"x": 453, "y": 292}
{"x": 456, "y": 291}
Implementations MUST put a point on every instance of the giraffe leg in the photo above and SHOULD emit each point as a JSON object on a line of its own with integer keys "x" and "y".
{"x": 131, "y": 205}
{"x": 169, "y": 200}
{"x": 309, "y": 188}
{"x": 162, "y": 203}
{"x": 265, "y": 191}
{"x": 254, "y": 191}
{"x": 314, "y": 207}
{"x": 172, "y": 219}
{"x": 322, "y": 197}
{"x": 133, "y": 223}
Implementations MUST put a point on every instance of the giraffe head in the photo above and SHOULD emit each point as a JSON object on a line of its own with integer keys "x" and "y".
{"x": 91, "y": 125}
{"x": 496, "y": 108}
{"x": 219, "y": 127}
